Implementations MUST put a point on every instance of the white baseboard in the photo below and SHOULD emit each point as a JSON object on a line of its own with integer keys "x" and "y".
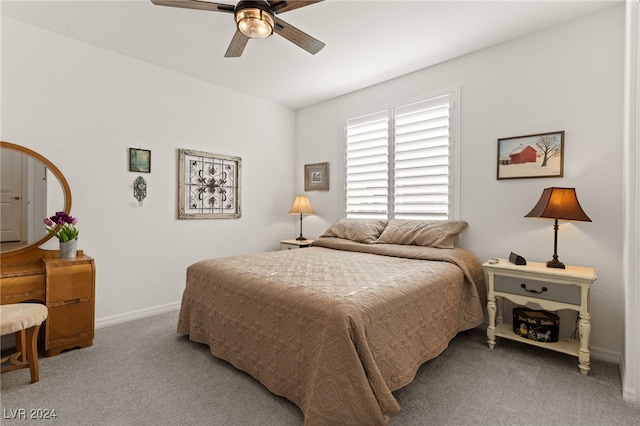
{"x": 8, "y": 340}
{"x": 605, "y": 354}
{"x": 141, "y": 313}
{"x": 629, "y": 395}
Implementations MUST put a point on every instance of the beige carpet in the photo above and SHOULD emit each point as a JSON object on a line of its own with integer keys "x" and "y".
{"x": 141, "y": 373}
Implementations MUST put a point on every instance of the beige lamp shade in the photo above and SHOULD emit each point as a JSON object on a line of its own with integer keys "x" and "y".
{"x": 301, "y": 205}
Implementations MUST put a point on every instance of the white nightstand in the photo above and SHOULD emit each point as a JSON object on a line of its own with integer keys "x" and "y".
{"x": 537, "y": 287}
{"x": 294, "y": 244}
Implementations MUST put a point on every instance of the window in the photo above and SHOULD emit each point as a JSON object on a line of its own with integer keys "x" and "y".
{"x": 401, "y": 161}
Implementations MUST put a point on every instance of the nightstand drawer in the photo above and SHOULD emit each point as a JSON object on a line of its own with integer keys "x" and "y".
{"x": 538, "y": 289}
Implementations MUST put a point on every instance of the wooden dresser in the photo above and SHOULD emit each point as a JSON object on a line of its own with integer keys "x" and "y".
{"x": 31, "y": 274}
{"x": 65, "y": 286}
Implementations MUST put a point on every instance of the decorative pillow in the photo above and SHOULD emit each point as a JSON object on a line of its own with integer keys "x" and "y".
{"x": 431, "y": 233}
{"x": 360, "y": 230}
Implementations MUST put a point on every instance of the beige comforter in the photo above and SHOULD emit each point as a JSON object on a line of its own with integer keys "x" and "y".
{"x": 333, "y": 329}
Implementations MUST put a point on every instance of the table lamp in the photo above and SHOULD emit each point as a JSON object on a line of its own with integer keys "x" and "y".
{"x": 302, "y": 206}
{"x": 558, "y": 203}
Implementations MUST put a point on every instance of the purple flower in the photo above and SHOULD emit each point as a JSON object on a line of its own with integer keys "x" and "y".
{"x": 60, "y": 218}
{"x": 66, "y": 226}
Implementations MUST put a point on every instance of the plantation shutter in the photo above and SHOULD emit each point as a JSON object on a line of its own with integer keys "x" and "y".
{"x": 401, "y": 162}
{"x": 367, "y": 164}
{"x": 421, "y": 160}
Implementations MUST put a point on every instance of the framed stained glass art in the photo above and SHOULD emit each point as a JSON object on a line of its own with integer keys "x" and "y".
{"x": 209, "y": 185}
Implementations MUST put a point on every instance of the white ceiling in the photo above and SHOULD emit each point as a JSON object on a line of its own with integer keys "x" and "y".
{"x": 367, "y": 42}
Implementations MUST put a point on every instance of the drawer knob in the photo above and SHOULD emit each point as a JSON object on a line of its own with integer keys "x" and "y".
{"x": 523, "y": 285}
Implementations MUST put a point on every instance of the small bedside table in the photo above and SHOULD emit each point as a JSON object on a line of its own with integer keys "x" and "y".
{"x": 294, "y": 244}
{"x": 537, "y": 287}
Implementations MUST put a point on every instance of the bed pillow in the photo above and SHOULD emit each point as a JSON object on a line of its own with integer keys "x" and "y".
{"x": 431, "y": 233}
{"x": 360, "y": 230}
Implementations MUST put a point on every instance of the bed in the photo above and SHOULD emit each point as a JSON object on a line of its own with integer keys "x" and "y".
{"x": 338, "y": 326}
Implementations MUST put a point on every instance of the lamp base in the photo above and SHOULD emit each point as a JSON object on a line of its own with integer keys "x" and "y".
{"x": 555, "y": 263}
{"x": 301, "y": 238}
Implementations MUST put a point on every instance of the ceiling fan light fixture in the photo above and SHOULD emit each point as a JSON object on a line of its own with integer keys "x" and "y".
{"x": 255, "y": 19}
{"x": 255, "y": 22}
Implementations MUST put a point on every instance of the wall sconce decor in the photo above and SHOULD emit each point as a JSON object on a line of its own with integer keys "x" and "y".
{"x": 558, "y": 203}
{"x": 140, "y": 189}
{"x": 302, "y": 206}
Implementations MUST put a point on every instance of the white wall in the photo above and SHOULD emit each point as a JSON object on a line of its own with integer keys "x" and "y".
{"x": 565, "y": 78}
{"x": 631, "y": 263}
{"x": 84, "y": 107}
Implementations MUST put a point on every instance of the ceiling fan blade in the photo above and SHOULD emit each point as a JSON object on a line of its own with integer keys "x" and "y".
{"x": 298, "y": 37}
{"x": 285, "y": 6}
{"x": 196, "y": 4}
{"x": 236, "y": 47}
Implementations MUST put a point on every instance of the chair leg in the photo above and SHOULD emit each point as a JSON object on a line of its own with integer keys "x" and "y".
{"x": 21, "y": 345}
{"x": 32, "y": 352}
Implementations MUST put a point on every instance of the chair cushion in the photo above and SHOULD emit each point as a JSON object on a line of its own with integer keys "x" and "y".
{"x": 20, "y": 316}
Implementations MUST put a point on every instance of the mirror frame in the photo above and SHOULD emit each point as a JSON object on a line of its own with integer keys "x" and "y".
{"x": 65, "y": 187}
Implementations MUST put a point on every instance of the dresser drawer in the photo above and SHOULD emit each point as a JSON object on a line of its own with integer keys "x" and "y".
{"x": 538, "y": 289}
{"x": 70, "y": 283}
{"x": 22, "y": 288}
{"x": 69, "y": 323}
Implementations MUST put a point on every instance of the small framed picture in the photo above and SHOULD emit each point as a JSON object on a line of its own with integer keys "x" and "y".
{"x": 316, "y": 177}
{"x": 531, "y": 156}
{"x": 139, "y": 160}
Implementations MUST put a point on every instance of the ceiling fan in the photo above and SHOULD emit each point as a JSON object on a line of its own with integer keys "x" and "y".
{"x": 255, "y": 19}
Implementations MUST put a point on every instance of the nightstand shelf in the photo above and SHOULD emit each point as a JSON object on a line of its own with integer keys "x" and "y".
{"x": 538, "y": 287}
{"x": 294, "y": 244}
{"x": 566, "y": 345}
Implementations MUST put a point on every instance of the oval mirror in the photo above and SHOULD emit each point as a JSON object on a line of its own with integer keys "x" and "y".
{"x": 31, "y": 189}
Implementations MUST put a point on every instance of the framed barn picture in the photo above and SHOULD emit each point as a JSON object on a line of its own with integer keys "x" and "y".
{"x": 531, "y": 156}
